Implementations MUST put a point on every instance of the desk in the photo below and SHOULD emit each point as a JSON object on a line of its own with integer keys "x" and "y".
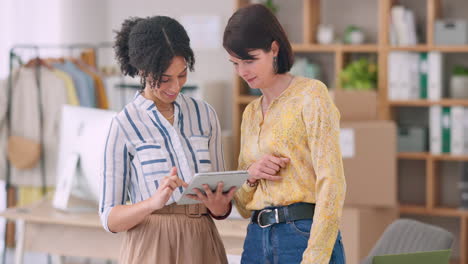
{"x": 41, "y": 228}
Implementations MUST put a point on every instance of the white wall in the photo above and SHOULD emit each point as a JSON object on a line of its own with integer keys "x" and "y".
{"x": 84, "y": 21}
{"x": 27, "y": 22}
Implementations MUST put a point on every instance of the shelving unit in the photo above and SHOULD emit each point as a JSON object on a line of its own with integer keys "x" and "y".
{"x": 423, "y": 48}
{"x": 427, "y": 156}
{"x": 387, "y": 108}
{"x": 426, "y": 103}
{"x": 334, "y": 48}
{"x": 432, "y": 207}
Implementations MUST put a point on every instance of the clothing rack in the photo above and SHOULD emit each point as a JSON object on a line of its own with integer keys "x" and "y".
{"x": 15, "y": 56}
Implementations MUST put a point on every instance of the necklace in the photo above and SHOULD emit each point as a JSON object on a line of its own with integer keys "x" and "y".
{"x": 169, "y": 109}
{"x": 169, "y": 118}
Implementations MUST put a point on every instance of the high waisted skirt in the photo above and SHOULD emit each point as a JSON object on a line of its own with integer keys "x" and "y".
{"x": 173, "y": 239}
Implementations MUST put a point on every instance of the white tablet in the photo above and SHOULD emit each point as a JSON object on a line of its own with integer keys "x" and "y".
{"x": 230, "y": 179}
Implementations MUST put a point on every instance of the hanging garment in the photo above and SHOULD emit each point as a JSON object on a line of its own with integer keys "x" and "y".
{"x": 101, "y": 98}
{"x": 30, "y": 194}
{"x": 25, "y": 120}
{"x": 72, "y": 97}
{"x": 3, "y": 126}
{"x": 83, "y": 83}
{"x": 103, "y": 101}
{"x": 88, "y": 57}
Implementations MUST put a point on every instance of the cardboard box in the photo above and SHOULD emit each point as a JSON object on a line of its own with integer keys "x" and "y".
{"x": 369, "y": 160}
{"x": 355, "y": 105}
{"x": 361, "y": 228}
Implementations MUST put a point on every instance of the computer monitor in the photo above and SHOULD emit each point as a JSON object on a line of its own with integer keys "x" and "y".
{"x": 82, "y": 141}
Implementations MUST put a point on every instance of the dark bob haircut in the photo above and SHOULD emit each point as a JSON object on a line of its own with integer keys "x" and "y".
{"x": 147, "y": 46}
{"x": 256, "y": 27}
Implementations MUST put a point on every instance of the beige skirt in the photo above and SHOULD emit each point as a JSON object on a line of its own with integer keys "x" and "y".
{"x": 173, "y": 239}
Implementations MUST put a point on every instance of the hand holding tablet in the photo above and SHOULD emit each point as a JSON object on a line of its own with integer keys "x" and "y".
{"x": 228, "y": 178}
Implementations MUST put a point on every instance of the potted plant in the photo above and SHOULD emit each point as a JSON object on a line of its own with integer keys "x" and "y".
{"x": 459, "y": 82}
{"x": 359, "y": 75}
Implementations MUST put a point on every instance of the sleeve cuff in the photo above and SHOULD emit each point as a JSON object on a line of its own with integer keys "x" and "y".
{"x": 104, "y": 218}
{"x": 247, "y": 188}
{"x": 223, "y": 216}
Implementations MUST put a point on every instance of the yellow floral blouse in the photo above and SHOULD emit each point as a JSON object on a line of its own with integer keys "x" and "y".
{"x": 301, "y": 124}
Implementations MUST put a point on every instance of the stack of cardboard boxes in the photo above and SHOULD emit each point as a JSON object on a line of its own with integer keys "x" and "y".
{"x": 369, "y": 160}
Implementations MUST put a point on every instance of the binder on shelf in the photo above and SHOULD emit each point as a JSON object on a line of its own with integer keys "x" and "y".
{"x": 402, "y": 26}
{"x": 414, "y": 87}
{"x": 404, "y": 80}
{"x": 446, "y": 129}
{"x": 435, "y": 75}
{"x": 410, "y": 22}
{"x": 457, "y": 130}
{"x": 423, "y": 69}
{"x": 398, "y": 20}
{"x": 459, "y": 133}
{"x": 465, "y": 130}
{"x": 393, "y": 76}
{"x": 404, "y": 67}
{"x": 435, "y": 131}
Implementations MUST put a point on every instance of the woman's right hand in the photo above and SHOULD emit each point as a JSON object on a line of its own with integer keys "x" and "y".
{"x": 267, "y": 168}
{"x": 165, "y": 190}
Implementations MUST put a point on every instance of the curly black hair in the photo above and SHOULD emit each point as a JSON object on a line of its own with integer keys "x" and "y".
{"x": 146, "y": 47}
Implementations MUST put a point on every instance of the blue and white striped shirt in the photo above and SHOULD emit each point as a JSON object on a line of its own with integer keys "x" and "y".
{"x": 142, "y": 147}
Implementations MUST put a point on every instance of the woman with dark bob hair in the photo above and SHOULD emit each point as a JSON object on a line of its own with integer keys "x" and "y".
{"x": 290, "y": 147}
{"x": 154, "y": 146}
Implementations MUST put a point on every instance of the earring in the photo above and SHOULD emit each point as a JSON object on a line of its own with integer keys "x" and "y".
{"x": 275, "y": 64}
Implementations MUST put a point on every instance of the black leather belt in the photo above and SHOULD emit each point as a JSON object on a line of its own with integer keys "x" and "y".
{"x": 275, "y": 215}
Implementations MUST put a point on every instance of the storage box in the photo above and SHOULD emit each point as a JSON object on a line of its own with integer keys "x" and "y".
{"x": 355, "y": 105}
{"x": 369, "y": 160}
{"x": 412, "y": 139}
{"x": 361, "y": 228}
{"x": 451, "y": 32}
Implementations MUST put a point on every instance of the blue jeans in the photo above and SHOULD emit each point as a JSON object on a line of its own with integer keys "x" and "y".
{"x": 283, "y": 243}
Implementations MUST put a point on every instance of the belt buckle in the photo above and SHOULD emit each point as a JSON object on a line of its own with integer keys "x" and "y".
{"x": 267, "y": 211}
{"x": 193, "y": 215}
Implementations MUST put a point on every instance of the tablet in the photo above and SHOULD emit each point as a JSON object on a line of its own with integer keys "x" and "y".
{"x": 230, "y": 179}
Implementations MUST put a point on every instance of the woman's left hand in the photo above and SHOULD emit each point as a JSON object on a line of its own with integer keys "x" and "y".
{"x": 217, "y": 202}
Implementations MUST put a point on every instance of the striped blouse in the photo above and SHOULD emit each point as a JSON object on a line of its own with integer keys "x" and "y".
{"x": 142, "y": 147}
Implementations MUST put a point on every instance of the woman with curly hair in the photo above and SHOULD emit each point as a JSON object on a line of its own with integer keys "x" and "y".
{"x": 154, "y": 146}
